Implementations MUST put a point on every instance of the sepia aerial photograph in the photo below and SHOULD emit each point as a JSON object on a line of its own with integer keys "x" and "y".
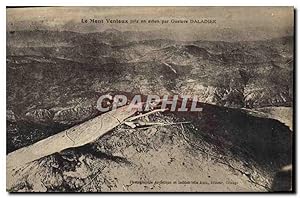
{"x": 150, "y": 99}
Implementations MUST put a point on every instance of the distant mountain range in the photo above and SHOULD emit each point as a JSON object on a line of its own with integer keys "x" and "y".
{"x": 260, "y": 70}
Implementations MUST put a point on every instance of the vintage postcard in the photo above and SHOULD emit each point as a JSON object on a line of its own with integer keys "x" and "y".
{"x": 150, "y": 99}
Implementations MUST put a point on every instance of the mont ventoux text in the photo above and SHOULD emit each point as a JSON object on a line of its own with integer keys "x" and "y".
{"x": 149, "y": 21}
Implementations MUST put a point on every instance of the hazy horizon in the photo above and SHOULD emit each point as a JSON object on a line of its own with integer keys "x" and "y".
{"x": 232, "y": 23}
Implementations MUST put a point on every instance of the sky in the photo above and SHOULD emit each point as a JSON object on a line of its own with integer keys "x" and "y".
{"x": 232, "y": 23}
